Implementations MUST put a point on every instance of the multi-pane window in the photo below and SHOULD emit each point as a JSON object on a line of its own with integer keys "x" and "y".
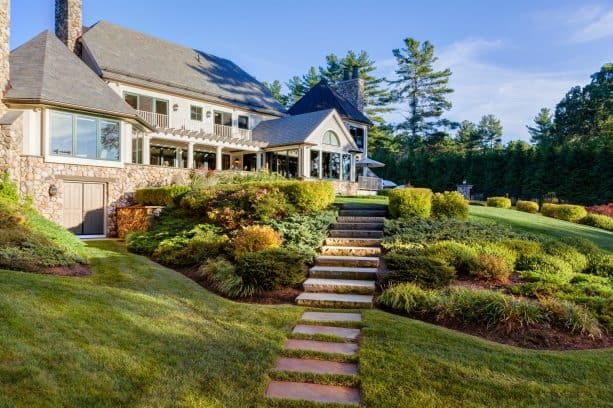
{"x": 331, "y": 139}
{"x": 163, "y": 156}
{"x": 331, "y": 165}
{"x": 137, "y": 147}
{"x": 147, "y": 103}
{"x": 196, "y": 113}
{"x": 243, "y": 122}
{"x": 83, "y": 136}
{"x": 223, "y": 118}
{"x": 358, "y": 135}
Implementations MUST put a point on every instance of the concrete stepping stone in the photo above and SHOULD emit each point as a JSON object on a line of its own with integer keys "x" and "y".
{"x": 339, "y": 286}
{"x": 342, "y": 272}
{"x": 350, "y": 251}
{"x": 374, "y": 226}
{"x": 346, "y": 333}
{"x": 340, "y": 233}
{"x": 304, "y": 365}
{"x": 313, "y": 392}
{"x": 354, "y": 242}
{"x": 348, "y": 349}
{"x": 346, "y": 218}
{"x": 335, "y": 300}
{"x": 331, "y": 317}
{"x": 356, "y": 261}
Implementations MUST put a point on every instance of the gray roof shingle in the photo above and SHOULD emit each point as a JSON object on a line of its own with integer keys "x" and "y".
{"x": 124, "y": 54}
{"x": 44, "y": 70}
{"x": 290, "y": 129}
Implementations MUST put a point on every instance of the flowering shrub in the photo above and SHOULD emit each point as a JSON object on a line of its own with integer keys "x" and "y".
{"x": 606, "y": 209}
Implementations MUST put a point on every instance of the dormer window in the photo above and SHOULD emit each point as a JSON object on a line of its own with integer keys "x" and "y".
{"x": 331, "y": 139}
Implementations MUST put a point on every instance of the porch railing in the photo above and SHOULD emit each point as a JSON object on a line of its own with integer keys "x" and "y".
{"x": 156, "y": 119}
{"x": 232, "y": 132}
{"x": 370, "y": 183}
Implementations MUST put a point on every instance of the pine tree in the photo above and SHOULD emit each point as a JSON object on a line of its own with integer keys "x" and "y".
{"x": 542, "y": 131}
{"x": 489, "y": 131}
{"x": 296, "y": 89}
{"x": 420, "y": 86}
{"x": 467, "y": 134}
{"x": 276, "y": 89}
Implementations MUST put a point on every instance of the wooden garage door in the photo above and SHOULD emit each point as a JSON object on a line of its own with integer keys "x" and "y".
{"x": 84, "y": 208}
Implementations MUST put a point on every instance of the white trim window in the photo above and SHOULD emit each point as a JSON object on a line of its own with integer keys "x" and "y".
{"x": 85, "y": 137}
{"x": 195, "y": 113}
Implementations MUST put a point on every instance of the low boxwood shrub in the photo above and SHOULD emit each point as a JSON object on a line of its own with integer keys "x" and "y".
{"x": 549, "y": 210}
{"x": 190, "y": 248}
{"x": 498, "y": 250}
{"x": 410, "y": 202}
{"x": 568, "y": 254}
{"x": 571, "y": 213}
{"x": 498, "y": 202}
{"x": 490, "y": 268}
{"x": 309, "y": 196}
{"x": 544, "y": 263}
{"x": 449, "y": 204}
{"x": 422, "y": 270}
{"x": 523, "y": 247}
{"x": 527, "y": 206}
{"x": 256, "y": 238}
{"x": 599, "y": 221}
{"x": 164, "y": 196}
{"x": 456, "y": 254}
{"x": 271, "y": 269}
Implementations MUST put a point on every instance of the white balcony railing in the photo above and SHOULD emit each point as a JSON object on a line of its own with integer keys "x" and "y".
{"x": 232, "y": 132}
{"x": 155, "y": 119}
{"x": 370, "y": 183}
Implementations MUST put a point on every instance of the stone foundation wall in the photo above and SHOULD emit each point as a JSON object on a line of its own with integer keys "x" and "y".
{"x": 37, "y": 176}
{"x": 346, "y": 188}
{"x": 11, "y": 134}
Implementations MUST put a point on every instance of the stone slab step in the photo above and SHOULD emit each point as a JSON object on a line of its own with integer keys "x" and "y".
{"x": 362, "y": 213}
{"x": 356, "y": 261}
{"x": 331, "y": 317}
{"x": 348, "y": 349}
{"x": 371, "y": 226}
{"x": 350, "y": 251}
{"x": 312, "y": 329}
{"x": 313, "y": 392}
{"x": 343, "y": 272}
{"x": 364, "y": 207}
{"x": 335, "y": 300}
{"x": 339, "y": 233}
{"x": 305, "y": 365}
{"x": 339, "y": 286}
{"x": 347, "y": 219}
{"x": 354, "y": 242}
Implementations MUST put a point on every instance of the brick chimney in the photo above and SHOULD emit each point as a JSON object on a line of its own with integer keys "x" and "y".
{"x": 5, "y": 25}
{"x": 69, "y": 21}
{"x": 352, "y": 88}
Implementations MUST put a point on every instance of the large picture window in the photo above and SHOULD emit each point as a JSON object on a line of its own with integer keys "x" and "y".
{"x": 83, "y": 136}
{"x": 358, "y": 135}
{"x": 284, "y": 163}
{"x": 331, "y": 163}
{"x": 315, "y": 163}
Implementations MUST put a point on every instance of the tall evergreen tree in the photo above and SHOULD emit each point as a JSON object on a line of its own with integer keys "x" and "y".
{"x": 467, "y": 135}
{"x": 276, "y": 89}
{"x": 542, "y": 131}
{"x": 490, "y": 131}
{"x": 423, "y": 88}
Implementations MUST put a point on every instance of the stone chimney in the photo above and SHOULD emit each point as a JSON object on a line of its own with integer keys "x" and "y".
{"x": 5, "y": 25}
{"x": 352, "y": 89}
{"x": 69, "y": 22}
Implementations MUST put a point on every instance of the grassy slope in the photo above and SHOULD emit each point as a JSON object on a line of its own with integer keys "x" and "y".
{"x": 362, "y": 200}
{"x": 537, "y": 224}
{"x": 138, "y": 334}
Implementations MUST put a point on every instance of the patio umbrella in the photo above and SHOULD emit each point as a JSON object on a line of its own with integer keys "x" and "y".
{"x": 370, "y": 163}
{"x": 389, "y": 184}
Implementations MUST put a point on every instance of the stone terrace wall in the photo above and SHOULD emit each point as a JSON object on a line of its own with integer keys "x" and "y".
{"x": 37, "y": 176}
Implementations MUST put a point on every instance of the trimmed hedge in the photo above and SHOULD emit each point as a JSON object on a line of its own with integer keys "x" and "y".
{"x": 565, "y": 212}
{"x": 527, "y": 206}
{"x": 599, "y": 221}
{"x": 272, "y": 269}
{"x": 422, "y": 270}
{"x": 309, "y": 196}
{"x": 162, "y": 196}
{"x": 410, "y": 202}
{"x": 449, "y": 204}
{"x": 498, "y": 202}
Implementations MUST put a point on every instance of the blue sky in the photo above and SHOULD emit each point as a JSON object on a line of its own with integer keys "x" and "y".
{"x": 508, "y": 58}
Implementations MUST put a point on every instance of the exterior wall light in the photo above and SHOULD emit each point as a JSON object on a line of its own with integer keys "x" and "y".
{"x": 175, "y": 107}
{"x": 52, "y": 190}
{"x": 208, "y": 114}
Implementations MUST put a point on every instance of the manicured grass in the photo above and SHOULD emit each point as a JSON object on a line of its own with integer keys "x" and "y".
{"x": 361, "y": 200}
{"x": 138, "y": 334}
{"x": 544, "y": 226}
{"x": 407, "y": 363}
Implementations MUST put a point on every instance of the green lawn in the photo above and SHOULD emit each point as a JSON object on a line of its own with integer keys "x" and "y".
{"x": 137, "y": 334}
{"x": 538, "y": 224}
{"x": 361, "y": 200}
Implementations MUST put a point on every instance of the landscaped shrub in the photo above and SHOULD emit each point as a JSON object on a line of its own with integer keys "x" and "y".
{"x": 544, "y": 263}
{"x": 422, "y": 270}
{"x": 599, "y": 221}
{"x": 498, "y": 250}
{"x": 385, "y": 192}
{"x": 527, "y": 206}
{"x": 193, "y": 247}
{"x": 271, "y": 269}
{"x": 256, "y": 238}
{"x": 568, "y": 254}
{"x": 305, "y": 233}
{"x": 410, "y": 202}
{"x": 309, "y": 196}
{"x": 606, "y": 209}
{"x": 571, "y": 317}
{"x": 600, "y": 264}
{"x": 221, "y": 274}
{"x": 449, "y": 204}
{"x": 549, "y": 210}
{"x": 490, "y": 268}
{"x": 165, "y": 196}
{"x": 571, "y": 213}
{"x": 499, "y": 202}
{"x": 454, "y": 253}
{"x": 523, "y": 247}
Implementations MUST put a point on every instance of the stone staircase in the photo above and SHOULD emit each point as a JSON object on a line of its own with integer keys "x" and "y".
{"x": 345, "y": 272}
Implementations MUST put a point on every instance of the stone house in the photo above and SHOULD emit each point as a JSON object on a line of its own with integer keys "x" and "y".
{"x": 89, "y": 114}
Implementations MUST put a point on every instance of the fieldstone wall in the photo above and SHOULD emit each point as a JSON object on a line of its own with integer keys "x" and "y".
{"x": 353, "y": 91}
{"x": 5, "y": 21}
{"x": 11, "y": 134}
{"x": 346, "y": 188}
{"x": 69, "y": 21}
{"x": 37, "y": 176}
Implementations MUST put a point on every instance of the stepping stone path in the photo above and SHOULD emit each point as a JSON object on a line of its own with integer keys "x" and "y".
{"x": 344, "y": 274}
{"x": 325, "y": 365}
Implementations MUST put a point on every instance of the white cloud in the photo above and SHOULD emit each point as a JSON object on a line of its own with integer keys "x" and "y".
{"x": 596, "y": 29}
{"x": 513, "y": 95}
{"x": 585, "y": 24}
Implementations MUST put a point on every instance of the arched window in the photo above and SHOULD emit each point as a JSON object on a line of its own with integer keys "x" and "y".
{"x": 331, "y": 139}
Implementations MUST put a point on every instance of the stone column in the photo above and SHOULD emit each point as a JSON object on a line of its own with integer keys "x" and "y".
{"x": 69, "y": 21}
{"x": 218, "y": 154}
{"x": 190, "y": 155}
{"x": 5, "y": 24}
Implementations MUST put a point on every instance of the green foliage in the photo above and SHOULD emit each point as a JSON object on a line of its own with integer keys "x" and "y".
{"x": 523, "y": 247}
{"x": 165, "y": 196}
{"x": 255, "y": 238}
{"x": 454, "y": 253}
{"x": 424, "y": 271}
{"x": 499, "y": 202}
{"x": 544, "y": 263}
{"x": 309, "y": 196}
{"x": 490, "y": 268}
{"x": 271, "y": 269}
{"x": 599, "y": 221}
{"x": 600, "y": 264}
{"x": 571, "y": 317}
{"x": 410, "y": 202}
{"x": 497, "y": 249}
{"x": 8, "y": 190}
{"x": 571, "y": 213}
{"x": 202, "y": 242}
{"x": 549, "y": 210}
{"x": 221, "y": 274}
{"x": 527, "y": 206}
{"x": 449, "y": 204}
{"x": 567, "y": 253}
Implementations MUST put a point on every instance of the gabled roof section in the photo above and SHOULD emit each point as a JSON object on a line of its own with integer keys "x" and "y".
{"x": 323, "y": 96}
{"x": 290, "y": 129}
{"x": 43, "y": 70}
{"x": 138, "y": 58}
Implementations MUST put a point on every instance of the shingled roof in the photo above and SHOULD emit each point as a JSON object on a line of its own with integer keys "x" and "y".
{"x": 323, "y": 96}
{"x": 290, "y": 129}
{"x": 138, "y": 58}
{"x": 43, "y": 70}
